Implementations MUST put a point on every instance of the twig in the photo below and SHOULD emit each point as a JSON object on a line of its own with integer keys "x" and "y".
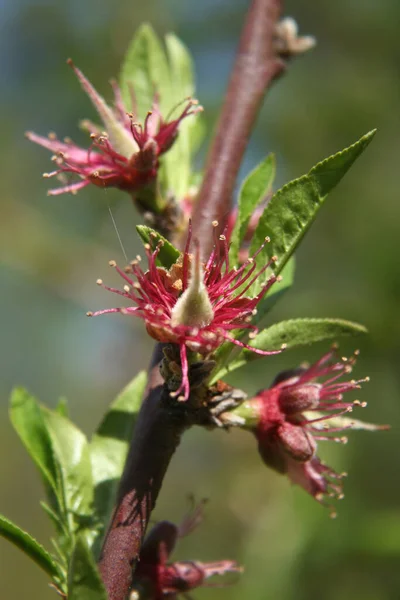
{"x": 157, "y": 435}
{"x": 256, "y": 67}
{"x": 158, "y": 430}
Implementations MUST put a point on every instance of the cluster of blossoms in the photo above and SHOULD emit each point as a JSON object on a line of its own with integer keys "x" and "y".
{"x": 125, "y": 155}
{"x": 197, "y": 305}
{"x": 296, "y": 412}
{"x": 157, "y": 578}
{"x": 200, "y": 304}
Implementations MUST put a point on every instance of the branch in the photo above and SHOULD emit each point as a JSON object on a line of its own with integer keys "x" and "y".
{"x": 159, "y": 429}
{"x": 155, "y": 439}
{"x": 257, "y": 65}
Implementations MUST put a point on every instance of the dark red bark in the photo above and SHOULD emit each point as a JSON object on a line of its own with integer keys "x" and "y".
{"x": 255, "y": 68}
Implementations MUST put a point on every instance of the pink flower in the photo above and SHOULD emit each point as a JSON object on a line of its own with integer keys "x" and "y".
{"x": 125, "y": 155}
{"x": 299, "y": 410}
{"x": 196, "y": 305}
{"x": 158, "y": 578}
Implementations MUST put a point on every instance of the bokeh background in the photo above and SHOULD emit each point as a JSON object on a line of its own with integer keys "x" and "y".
{"x": 53, "y": 249}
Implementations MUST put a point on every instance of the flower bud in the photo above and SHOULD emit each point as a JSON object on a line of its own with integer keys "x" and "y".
{"x": 296, "y": 412}
{"x": 296, "y": 442}
{"x": 297, "y": 399}
{"x": 163, "y": 533}
{"x": 155, "y": 578}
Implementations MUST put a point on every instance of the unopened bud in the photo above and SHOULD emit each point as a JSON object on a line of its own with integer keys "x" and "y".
{"x": 163, "y": 534}
{"x": 299, "y": 398}
{"x": 296, "y": 442}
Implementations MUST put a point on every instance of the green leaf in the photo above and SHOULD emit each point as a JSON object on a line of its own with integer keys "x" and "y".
{"x": 177, "y": 161}
{"x": 149, "y": 69}
{"x": 300, "y": 332}
{"x": 109, "y": 445}
{"x": 181, "y": 68}
{"x": 62, "y": 407}
{"x": 168, "y": 254}
{"x": 29, "y": 423}
{"x": 293, "y": 208}
{"x": 62, "y": 455}
{"x": 58, "y": 523}
{"x": 31, "y": 547}
{"x": 146, "y": 71}
{"x": 253, "y": 191}
{"x": 197, "y": 133}
{"x": 72, "y": 453}
{"x": 277, "y": 291}
{"x": 293, "y": 333}
{"x": 84, "y": 582}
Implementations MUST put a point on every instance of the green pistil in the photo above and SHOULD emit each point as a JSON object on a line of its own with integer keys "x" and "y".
{"x": 193, "y": 308}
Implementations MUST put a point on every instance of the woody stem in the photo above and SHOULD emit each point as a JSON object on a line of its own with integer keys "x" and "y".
{"x": 256, "y": 66}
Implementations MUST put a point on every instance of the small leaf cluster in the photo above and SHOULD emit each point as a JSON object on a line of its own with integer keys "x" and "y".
{"x": 80, "y": 478}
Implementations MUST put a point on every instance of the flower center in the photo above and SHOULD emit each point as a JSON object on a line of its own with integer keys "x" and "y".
{"x": 193, "y": 308}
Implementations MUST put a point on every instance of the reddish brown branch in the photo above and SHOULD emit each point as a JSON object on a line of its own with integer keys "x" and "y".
{"x": 256, "y": 66}
{"x": 156, "y": 437}
{"x": 158, "y": 430}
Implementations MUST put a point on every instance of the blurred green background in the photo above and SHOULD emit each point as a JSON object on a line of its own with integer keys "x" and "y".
{"x": 54, "y": 249}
